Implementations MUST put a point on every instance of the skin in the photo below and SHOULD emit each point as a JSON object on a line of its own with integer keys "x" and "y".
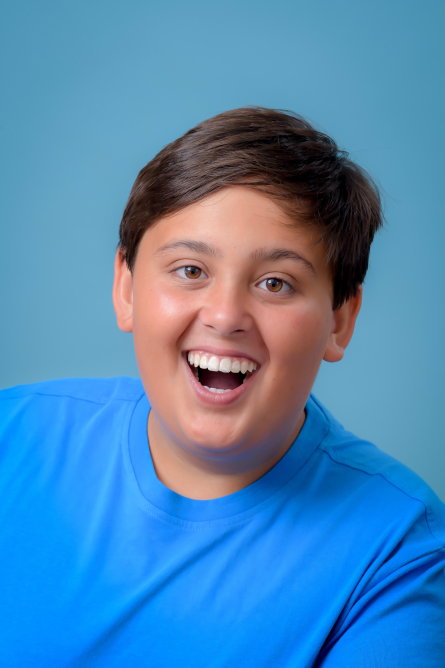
{"x": 205, "y": 451}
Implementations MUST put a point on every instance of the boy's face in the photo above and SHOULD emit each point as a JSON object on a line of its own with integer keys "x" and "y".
{"x": 229, "y": 278}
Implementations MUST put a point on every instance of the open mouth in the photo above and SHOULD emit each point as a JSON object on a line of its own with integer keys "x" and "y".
{"x": 218, "y": 373}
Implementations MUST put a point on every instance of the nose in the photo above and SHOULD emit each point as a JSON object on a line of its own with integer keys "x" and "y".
{"x": 226, "y": 310}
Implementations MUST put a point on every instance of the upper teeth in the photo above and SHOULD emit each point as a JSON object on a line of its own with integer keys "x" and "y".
{"x": 224, "y": 364}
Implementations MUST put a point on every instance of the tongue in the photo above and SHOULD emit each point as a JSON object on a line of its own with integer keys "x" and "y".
{"x": 220, "y": 380}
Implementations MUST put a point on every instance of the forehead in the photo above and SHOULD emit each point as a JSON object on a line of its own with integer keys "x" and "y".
{"x": 238, "y": 217}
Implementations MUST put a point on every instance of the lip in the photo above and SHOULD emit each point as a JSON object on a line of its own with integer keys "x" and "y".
{"x": 223, "y": 353}
{"x": 211, "y": 398}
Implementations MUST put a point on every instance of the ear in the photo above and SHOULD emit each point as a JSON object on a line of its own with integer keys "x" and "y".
{"x": 123, "y": 293}
{"x": 343, "y": 323}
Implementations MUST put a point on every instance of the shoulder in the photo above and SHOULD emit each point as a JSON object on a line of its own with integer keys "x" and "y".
{"x": 44, "y": 411}
{"x": 96, "y": 390}
{"x": 53, "y": 426}
{"x": 381, "y": 486}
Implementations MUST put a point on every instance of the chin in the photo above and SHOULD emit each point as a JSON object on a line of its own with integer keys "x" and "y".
{"x": 209, "y": 438}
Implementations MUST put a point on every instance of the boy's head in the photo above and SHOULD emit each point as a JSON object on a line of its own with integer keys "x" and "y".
{"x": 243, "y": 247}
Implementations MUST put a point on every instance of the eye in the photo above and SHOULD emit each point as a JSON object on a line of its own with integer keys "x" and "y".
{"x": 275, "y": 285}
{"x": 189, "y": 272}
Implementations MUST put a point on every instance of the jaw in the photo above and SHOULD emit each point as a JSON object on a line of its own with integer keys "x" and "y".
{"x": 222, "y": 432}
{"x": 257, "y": 414}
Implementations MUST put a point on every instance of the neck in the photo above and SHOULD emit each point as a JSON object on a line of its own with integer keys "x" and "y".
{"x": 203, "y": 478}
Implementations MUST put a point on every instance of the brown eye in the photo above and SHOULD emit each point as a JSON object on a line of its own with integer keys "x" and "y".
{"x": 274, "y": 284}
{"x": 192, "y": 272}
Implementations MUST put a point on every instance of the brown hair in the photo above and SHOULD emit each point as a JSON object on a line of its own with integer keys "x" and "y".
{"x": 276, "y": 152}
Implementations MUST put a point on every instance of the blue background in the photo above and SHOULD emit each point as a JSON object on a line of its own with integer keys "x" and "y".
{"x": 92, "y": 90}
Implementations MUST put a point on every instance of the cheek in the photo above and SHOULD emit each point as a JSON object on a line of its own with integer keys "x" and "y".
{"x": 160, "y": 317}
{"x": 297, "y": 338}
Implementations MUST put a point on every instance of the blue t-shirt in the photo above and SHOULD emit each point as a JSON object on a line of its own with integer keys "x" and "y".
{"x": 334, "y": 558}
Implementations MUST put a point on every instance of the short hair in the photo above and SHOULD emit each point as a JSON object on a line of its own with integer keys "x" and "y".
{"x": 280, "y": 154}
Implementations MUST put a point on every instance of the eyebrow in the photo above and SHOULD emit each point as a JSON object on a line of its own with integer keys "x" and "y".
{"x": 260, "y": 255}
{"x": 190, "y": 244}
{"x": 273, "y": 254}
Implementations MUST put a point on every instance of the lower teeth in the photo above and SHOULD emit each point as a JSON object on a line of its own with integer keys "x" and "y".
{"x": 214, "y": 389}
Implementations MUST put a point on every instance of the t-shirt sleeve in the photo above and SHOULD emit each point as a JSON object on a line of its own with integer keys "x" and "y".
{"x": 398, "y": 623}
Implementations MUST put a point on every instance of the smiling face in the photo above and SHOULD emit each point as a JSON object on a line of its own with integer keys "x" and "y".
{"x": 226, "y": 286}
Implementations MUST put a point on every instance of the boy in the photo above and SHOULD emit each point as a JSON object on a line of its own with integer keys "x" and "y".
{"x": 217, "y": 514}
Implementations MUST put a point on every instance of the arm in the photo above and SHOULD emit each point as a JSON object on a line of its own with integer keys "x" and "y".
{"x": 398, "y": 623}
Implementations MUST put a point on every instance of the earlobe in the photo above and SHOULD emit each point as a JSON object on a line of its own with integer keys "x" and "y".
{"x": 343, "y": 323}
{"x": 123, "y": 293}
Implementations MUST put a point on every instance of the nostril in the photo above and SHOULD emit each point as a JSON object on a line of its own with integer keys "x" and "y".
{"x": 226, "y": 320}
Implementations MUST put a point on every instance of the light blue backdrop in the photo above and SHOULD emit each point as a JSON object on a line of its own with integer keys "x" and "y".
{"x": 92, "y": 90}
